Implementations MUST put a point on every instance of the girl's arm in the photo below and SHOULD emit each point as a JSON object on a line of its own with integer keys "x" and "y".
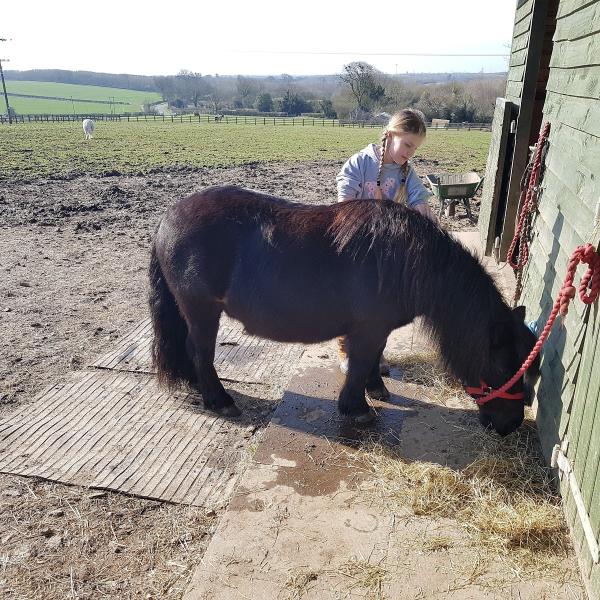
{"x": 349, "y": 179}
{"x": 418, "y": 195}
{"x": 424, "y": 209}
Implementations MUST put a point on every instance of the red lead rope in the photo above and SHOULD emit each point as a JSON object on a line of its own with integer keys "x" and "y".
{"x": 585, "y": 254}
{"x": 527, "y": 206}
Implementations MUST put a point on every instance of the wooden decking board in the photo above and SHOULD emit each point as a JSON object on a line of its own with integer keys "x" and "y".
{"x": 182, "y": 449}
{"x": 117, "y": 431}
{"x": 24, "y": 414}
{"x": 113, "y": 428}
{"x": 122, "y": 411}
{"x": 65, "y": 445}
{"x": 39, "y": 421}
{"x": 108, "y": 471}
{"x": 238, "y": 355}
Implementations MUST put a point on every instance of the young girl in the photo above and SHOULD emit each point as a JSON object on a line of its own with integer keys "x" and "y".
{"x": 383, "y": 172}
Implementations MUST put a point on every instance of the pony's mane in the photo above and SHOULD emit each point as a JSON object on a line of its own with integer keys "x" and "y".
{"x": 431, "y": 273}
{"x": 364, "y": 226}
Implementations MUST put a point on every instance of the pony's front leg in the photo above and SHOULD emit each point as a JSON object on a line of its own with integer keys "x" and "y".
{"x": 375, "y": 387}
{"x": 361, "y": 357}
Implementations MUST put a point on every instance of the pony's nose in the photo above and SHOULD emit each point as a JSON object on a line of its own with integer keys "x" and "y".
{"x": 485, "y": 420}
{"x": 505, "y": 428}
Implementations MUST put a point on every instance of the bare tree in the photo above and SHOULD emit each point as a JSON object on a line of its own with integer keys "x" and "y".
{"x": 247, "y": 89}
{"x": 361, "y": 78}
{"x": 191, "y": 86}
{"x": 166, "y": 87}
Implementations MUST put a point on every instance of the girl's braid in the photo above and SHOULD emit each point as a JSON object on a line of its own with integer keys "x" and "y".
{"x": 401, "y": 195}
{"x": 378, "y": 192}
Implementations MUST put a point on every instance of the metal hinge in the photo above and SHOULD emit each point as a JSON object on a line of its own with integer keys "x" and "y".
{"x": 561, "y": 462}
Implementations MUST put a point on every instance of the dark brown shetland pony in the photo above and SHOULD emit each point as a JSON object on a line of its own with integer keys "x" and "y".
{"x": 296, "y": 273}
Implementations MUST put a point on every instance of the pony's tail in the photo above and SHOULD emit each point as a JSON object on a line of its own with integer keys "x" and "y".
{"x": 169, "y": 355}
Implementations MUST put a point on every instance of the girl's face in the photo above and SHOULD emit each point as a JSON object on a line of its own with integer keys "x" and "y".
{"x": 400, "y": 147}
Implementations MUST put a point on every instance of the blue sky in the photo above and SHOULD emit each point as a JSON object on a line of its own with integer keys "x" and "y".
{"x": 256, "y": 38}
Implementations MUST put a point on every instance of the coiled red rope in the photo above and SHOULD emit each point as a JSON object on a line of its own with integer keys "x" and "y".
{"x": 591, "y": 279}
{"x": 528, "y": 205}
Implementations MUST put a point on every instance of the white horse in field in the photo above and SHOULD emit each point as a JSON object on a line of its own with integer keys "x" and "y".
{"x": 88, "y": 128}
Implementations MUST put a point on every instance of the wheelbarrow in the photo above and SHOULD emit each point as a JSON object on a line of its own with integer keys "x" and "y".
{"x": 452, "y": 187}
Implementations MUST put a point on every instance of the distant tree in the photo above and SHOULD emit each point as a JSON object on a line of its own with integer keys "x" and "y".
{"x": 264, "y": 102}
{"x": 293, "y": 104}
{"x": 247, "y": 89}
{"x": 328, "y": 110}
{"x": 166, "y": 87}
{"x": 190, "y": 86}
{"x": 399, "y": 95}
{"x": 450, "y": 101}
{"x": 362, "y": 80}
{"x": 483, "y": 93}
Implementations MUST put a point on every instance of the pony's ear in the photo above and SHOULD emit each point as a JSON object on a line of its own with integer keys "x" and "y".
{"x": 519, "y": 312}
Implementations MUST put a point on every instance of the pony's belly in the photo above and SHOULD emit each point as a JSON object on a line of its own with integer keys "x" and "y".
{"x": 297, "y": 330}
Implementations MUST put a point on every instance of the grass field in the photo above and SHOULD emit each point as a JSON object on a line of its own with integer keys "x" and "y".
{"x": 41, "y": 149}
{"x": 132, "y": 98}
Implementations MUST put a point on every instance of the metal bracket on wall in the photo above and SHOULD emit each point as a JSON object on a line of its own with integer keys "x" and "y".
{"x": 559, "y": 460}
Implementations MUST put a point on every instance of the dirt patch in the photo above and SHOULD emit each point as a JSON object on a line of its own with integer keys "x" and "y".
{"x": 73, "y": 261}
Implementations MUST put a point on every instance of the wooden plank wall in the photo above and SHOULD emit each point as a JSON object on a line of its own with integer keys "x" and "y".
{"x": 569, "y": 392}
{"x": 518, "y": 52}
{"x": 495, "y": 183}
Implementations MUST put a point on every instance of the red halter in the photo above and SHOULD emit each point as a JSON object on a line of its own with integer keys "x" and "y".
{"x": 481, "y": 394}
{"x": 591, "y": 279}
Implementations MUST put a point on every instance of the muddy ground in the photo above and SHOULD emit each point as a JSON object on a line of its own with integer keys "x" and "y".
{"x": 73, "y": 260}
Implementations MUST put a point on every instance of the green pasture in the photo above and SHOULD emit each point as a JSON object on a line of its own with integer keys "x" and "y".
{"x": 133, "y": 99}
{"x": 40, "y": 149}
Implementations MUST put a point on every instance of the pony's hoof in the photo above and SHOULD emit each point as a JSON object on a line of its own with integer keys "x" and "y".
{"x": 365, "y": 418}
{"x": 231, "y": 410}
{"x": 380, "y": 393}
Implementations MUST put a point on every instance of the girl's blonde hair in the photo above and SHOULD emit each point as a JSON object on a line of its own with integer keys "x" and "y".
{"x": 408, "y": 120}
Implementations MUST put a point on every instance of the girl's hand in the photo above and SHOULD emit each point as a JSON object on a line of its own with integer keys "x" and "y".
{"x": 424, "y": 209}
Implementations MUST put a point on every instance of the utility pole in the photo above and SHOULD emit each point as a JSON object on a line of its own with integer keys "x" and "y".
{"x": 4, "y": 85}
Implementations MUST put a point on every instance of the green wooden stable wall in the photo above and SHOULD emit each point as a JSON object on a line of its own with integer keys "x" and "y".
{"x": 518, "y": 52}
{"x": 569, "y": 392}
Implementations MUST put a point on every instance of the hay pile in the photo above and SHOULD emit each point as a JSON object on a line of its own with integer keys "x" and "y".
{"x": 425, "y": 369}
{"x": 505, "y": 498}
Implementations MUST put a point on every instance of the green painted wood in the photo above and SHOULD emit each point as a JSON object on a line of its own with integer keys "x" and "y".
{"x": 591, "y": 475}
{"x": 518, "y": 58}
{"x": 557, "y": 240}
{"x": 583, "y": 82}
{"x": 566, "y": 7}
{"x": 561, "y": 187}
{"x": 525, "y": 119}
{"x": 520, "y": 42}
{"x": 513, "y": 91}
{"x": 588, "y": 451}
{"x": 583, "y": 151}
{"x": 523, "y": 11}
{"x": 581, "y": 405}
{"x": 580, "y": 23}
{"x": 579, "y": 113}
{"x": 576, "y": 53}
{"x": 594, "y": 583}
{"x": 494, "y": 174}
{"x": 517, "y": 73}
{"x": 523, "y": 26}
{"x": 551, "y": 287}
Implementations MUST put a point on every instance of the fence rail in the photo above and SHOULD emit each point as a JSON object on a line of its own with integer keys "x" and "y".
{"x": 225, "y": 120}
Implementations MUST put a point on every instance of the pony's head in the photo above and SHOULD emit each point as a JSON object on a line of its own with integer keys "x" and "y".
{"x": 511, "y": 341}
